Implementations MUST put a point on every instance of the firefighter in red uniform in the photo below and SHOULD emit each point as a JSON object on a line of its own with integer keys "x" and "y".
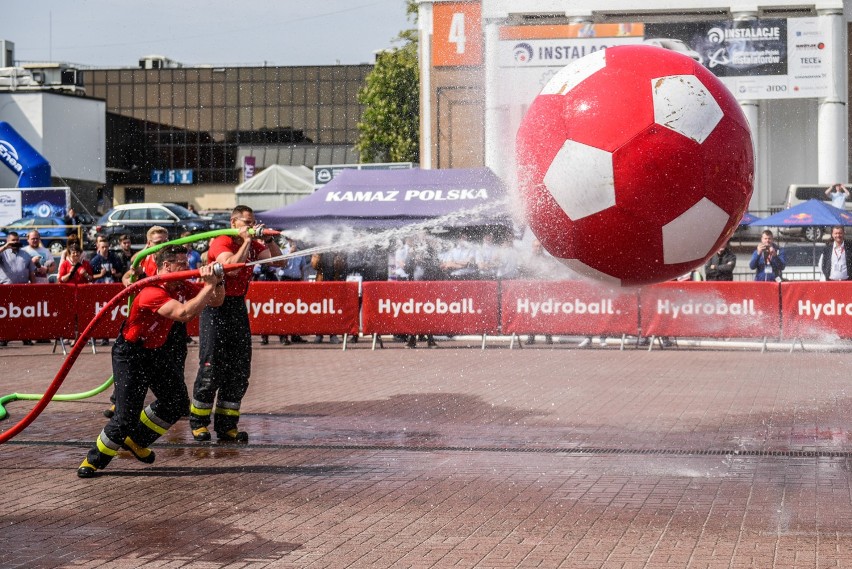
{"x": 142, "y": 359}
{"x": 224, "y": 351}
{"x": 148, "y": 268}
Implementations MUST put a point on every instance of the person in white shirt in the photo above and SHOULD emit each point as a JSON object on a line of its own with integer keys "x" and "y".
{"x": 837, "y": 194}
{"x": 42, "y": 257}
{"x": 836, "y": 261}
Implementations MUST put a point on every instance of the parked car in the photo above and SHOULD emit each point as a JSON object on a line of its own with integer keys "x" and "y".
{"x": 135, "y": 219}
{"x": 53, "y": 231}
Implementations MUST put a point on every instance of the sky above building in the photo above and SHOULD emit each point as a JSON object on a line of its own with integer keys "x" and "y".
{"x": 117, "y": 33}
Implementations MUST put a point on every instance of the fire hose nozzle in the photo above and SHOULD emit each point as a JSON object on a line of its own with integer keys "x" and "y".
{"x": 266, "y": 232}
{"x": 218, "y": 270}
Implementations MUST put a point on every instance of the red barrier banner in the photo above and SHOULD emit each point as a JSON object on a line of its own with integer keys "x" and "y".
{"x": 36, "y": 311}
{"x": 433, "y": 307}
{"x": 816, "y": 310}
{"x": 568, "y": 307}
{"x": 91, "y": 298}
{"x": 711, "y": 309}
{"x": 303, "y": 307}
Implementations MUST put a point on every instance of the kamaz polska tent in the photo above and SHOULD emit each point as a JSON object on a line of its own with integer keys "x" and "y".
{"x": 380, "y": 199}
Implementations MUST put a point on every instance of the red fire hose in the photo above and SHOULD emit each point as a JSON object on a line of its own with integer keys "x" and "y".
{"x": 80, "y": 344}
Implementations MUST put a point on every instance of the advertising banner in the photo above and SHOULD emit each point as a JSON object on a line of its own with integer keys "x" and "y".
{"x": 436, "y": 307}
{"x": 303, "y": 307}
{"x": 36, "y": 311}
{"x": 822, "y": 311}
{"x": 44, "y": 202}
{"x": 711, "y": 310}
{"x": 91, "y": 298}
{"x": 567, "y": 307}
{"x": 758, "y": 59}
{"x": 10, "y": 206}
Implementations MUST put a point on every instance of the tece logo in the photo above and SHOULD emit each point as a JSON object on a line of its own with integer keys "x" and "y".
{"x": 10, "y": 156}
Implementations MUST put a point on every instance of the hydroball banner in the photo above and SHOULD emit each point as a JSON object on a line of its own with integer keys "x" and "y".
{"x": 303, "y": 308}
{"x": 36, "y": 311}
{"x": 445, "y": 307}
{"x": 567, "y": 307}
{"x": 686, "y": 309}
{"x": 93, "y": 298}
{"x": 710, "y": 310}
{"x": 822, "y": 312}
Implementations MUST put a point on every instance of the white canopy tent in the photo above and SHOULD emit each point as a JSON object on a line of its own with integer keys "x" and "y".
{"x": 276, "y": 186}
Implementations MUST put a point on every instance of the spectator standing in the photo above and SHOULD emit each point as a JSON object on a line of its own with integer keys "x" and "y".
{"x": 720, "y": 267}
{"x": 329, "y": 267}
{"x": 540, "y": 265}
{"x": 155, "y": 235}
{"x": 72, "y": 221}
{"x": 191, "y": 208}
{"x": 400, "y": 258}
{"x": 459, "y": 263}
{"x": 295, "y": 270}
{"x": 265, "y": 273}
{"x": 423, "y": 265}
{"x": 487, "y": 257}
{"x": 16, "y": 266}
{"x": 193, "y": 257}
{"x": 41, "y": 255}
{"x": 68, "y": 241}
{"x": 126, "y": 250}
{"x": 768, "y": 260}
{"x": 107, "y": 266}
{"x": 836, "y": 259}
{"x": 224, "y": 354}
{"x": 74, "y": 269}
{"x": 837, "y": 194}
{"x": 141, "y": 360}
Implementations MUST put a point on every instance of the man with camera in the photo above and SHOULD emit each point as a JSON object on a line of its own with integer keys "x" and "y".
{"x": 768, "y": 260}
{"x": 16, "y": 266}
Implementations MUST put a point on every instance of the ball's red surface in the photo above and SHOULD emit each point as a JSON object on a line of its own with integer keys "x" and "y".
{"x": 634, "y": 164}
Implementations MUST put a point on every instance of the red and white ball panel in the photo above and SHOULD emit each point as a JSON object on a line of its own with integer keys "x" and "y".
{"x": 635, "y": 163}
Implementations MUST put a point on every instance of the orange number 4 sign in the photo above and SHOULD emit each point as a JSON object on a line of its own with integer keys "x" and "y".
{"x": 456, "y": 34}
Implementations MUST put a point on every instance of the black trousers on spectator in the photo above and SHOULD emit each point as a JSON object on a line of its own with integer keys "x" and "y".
{"x": 136, "y": 370}
{"x": 224, "y": 365}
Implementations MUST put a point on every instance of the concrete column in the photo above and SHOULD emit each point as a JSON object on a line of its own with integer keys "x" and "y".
{"x": 751, "y": 109}
{"x": 424, "y": 23}
{"x": 833, "y": 114}
{"x": 493, "y": 144}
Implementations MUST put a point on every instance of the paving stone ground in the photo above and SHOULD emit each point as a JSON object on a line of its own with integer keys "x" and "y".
{"x": 453, "y": 457}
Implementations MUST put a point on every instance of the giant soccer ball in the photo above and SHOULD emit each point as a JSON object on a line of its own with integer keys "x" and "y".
{"x": 634, "y": 164}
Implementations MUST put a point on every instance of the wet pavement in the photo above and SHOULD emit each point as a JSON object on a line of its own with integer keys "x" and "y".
{"x": 453, "y": 457}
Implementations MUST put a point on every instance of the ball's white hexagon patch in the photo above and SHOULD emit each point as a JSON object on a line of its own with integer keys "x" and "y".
{"x": 581, "y": 180}
{"x": 683, "y": 104}
{"x": 575, "y": 73}
{"x": 692, "y": 234}
{"x": 585, "y": 270}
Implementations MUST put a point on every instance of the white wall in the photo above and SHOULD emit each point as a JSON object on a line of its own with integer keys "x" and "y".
{"x": 69, "y": 131}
